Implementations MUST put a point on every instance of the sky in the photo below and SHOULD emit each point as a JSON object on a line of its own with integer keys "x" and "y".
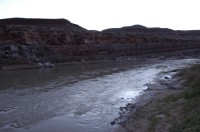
{"x": 103, "y": 14}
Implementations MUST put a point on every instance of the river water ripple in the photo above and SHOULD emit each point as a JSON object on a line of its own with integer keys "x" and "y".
{"x": 73, "y": 98}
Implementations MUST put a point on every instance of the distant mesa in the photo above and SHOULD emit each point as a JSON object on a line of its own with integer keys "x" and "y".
{"x": 57, "y": 23}
{"x": 126, "y": 29}
{"x": 32, "y": 21}
{"x": 136, "y": 29}
{"x": 67, "y": 25}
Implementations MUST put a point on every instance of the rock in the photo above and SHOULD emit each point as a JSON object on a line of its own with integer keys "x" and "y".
{"x": 166, "y": 77}
{"x": 113, "y": 123}
{"x": 48, "y": 65}
{"x": 121, "y": 108}
{"x": 161, "y": 116}
{"x": 13, "y": 48}
{"x": 15, "y": 56}
{"x": 59, "y": 40}
{"x": 40, "y": 64}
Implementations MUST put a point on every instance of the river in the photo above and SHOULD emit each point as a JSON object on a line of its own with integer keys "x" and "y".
{"x": 74, "y": 98}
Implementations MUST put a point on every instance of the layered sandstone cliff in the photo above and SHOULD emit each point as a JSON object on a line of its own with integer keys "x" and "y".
{"x": 24, "y": 41}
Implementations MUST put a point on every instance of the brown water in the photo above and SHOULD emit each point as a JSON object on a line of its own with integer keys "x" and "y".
{"x": 73, "y": 98}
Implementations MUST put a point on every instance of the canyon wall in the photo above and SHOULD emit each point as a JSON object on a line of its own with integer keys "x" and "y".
{"x": 28, "y": 41}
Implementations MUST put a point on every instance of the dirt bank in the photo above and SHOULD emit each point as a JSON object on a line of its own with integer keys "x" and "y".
{"x": 167, "y": 105}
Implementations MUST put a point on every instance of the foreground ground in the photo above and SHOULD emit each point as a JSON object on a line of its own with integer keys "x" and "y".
{"x": 174, "y": 105}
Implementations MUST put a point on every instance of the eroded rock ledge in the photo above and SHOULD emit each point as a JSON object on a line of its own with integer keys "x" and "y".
{"x": 29, "y": 41}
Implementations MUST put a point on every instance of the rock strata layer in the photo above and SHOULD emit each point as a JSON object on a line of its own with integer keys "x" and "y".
{"x": 28, "y": 41}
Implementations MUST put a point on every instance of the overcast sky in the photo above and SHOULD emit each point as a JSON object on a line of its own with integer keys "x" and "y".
{"x": 102, "y": 14}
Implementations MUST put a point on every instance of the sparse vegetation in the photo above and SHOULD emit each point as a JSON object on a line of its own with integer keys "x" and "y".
{"x": 176, "y": 109}
{"x": 190, "y": 108}
{"x": 181, "y": 109}
{"x": 152, "y": 123}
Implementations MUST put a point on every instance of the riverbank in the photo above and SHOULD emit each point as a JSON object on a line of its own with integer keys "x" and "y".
{"x": 121, "y": 59}
{"x": 171, "y": 103}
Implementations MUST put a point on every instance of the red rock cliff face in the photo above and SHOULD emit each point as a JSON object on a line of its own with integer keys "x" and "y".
{"x": 58, "y": 40}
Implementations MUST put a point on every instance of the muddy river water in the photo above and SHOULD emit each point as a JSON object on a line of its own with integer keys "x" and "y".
{"x": 73, "y": 98}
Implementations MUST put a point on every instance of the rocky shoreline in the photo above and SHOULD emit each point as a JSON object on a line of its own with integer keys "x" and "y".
{"x": 195, "y": 53}
{"x": 135, "y": 115}
{"x": 149, "y": 111}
